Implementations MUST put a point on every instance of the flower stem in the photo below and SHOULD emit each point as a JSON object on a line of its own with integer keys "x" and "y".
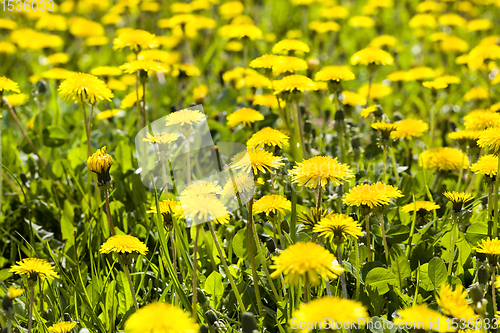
{"x": 386, "y": 246}
{"x": 497, "y": 185}
{"x": 342, "y": 276}
{"x": 306, "y": 290}
{"x": 252, "y": 257}
{"x": 452, "y": 246}
{"x": 370, "y": 80}
{"x": 318, "y": 202}
{"x": 368, "y": 238}
{"x": 490, "y": 201}
{"x": 108, "y": 213}
{"x": 144, "y": 103}
{"x": 300, "y": 129}
{"x": 137, "y": 102}
{"x": 493, "y": 291}
{"x": 226, "y": 268}
{"x": 394, "y": 164}
{"x": 174, "y": 261}
{"x": 30, "y": 315}
{"x": 131, "y": 285}
{"x": 356, "y": 245}
{"x": 195, "y": 272}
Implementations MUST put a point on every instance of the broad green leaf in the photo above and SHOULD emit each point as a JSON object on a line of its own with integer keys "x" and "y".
{"x": 67, "y": 228}
{"x": 400, "y": 265}
{"x": 397, "y": 234}
{"x": 437, "y": 272}
{"x": 476, "y": 232}
{"x": 125, "y": 299}
{"x": 214, "y": 287}
{"x": 380, "y": 279}
{"x": 240, "y": 244}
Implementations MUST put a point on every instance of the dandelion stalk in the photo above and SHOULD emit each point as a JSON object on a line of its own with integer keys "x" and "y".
{"x": 306, "y": 290}
{"x": 394, "y": 164}
{"x": 108, "y": 213}
{"x": 252, "y": 257}
{"x": 131, "y": 285}
{"x": 490, "y": 201}
{"x": 30, "y": 314}
{"x": 370, "y": 81}
{"x": 454, "y": 223}
{"x": 368, "y": 238}
{"x": 195, "y": 271}
{"x": 174, "y": 260}
{"x": 226, "y": 269}
{"x": 356, "y": 245}
{"x": 493, "y": 289}
{"x": 386, "y": 246}
{"x": 497, "y": 186}
{"x": 342, "y": 276}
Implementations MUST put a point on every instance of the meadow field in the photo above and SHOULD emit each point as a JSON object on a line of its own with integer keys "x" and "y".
{"x": 249, "y": 166}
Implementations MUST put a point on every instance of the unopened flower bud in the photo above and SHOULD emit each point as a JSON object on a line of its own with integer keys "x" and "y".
{"x": 248, "y": 324}
{"x": 482, "y": 275}
{"x": 100, "y": 163}
{"x": 211, "y": 317}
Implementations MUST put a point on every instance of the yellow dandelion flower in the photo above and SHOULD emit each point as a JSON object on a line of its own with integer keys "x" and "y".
{"x": 136, "y": 40}
{"x": 123, "y": 244}
{"x": 271, "y": 205}
{"x": 245, "y": 116}
{"x": 201, "y": 189}
{"x": 423, "y": 21}
{"x": 293, "y": 83}
{"x": 377, "y": 90}
{"x": 361, "y": 21}
{"x": 458, "y": 199}
{"x": 475, "y": 94}
{"x": 352, "y": 98}
{"x": 481, "y": 55}
{"x": 160, "y": 55}
{"x": 81, "y": 27}
{"x": 116, "y": 85}
{"x": 435, "y": 84}
{"x": 100, "y": 163}
{"x": 84, "y": 88}
{"x": 490, "y": 138}
{"x": 268, "y": 100}
{"x": 337, "y": 226}
{"x": 429, "y": 6}
{"x": 34, "y": 268}
{"x": 57, "y": 74}
{"x": 464, "y": 137}
{"x": 265, "y": 61}
{"x": 420, "y": 73}
{"x": 290, "y": 46}
{"x": 419, "y": 206}
{"x": 14, "y": 292}
{"x": 454, "y": 303}
{"x": 231, "y": 9}
{"x": 7, "y": 47}
{"x": 184, "y": 117}
{"x": 144, "y": 65}
{"x": 489, "y": 246}
{"x": 254, "y": 81}
{"x": 52, "y": 22}
{"x": 288, "y": 65}
{"x": 371, "y": 56}
{"x": 159, "y": 317}
{"x": 97, "y": 41}
{"x": 452, "y": 19}
{"x": 454, "y": 44}
{"x": 256, "y": 159}
{"x": 130, "y": 100}
{"x": 242, "y": 183}
{"x": 330, "y": 310}
{"x": 443, "y": 159}
{"x": 168, "y": 207}
{"x": 486, "y": 165}
{"x": 8, "y": 85}
{"x": 409, "y": 128}
{"x": 448, "y": 79}
{"x": 324, "y": 27}
{"x": 312, "y": 217}
{"x": 306, "y": 261}
{"x": 335, "y": 73}
{"x": 152, "y": 7}
{"x": 58, "y": 58}
{"x": 423, "y": 315}
{"x": 200, "y": 93}
{"x": 374, "y": 195}
{"x": 384, "y": 128}
{"x": 384, "y": 41}
{"x": 240, "y": 31}
{"x": 205, "y": 208}
{"x": 365, "y": 112}
{"x": 7, "y": 24}
{"x": 107, "y": 114}
{"x": 335, "y": 12}
{"x": 268, "y": 137}
{"x": 17, "y": 99}
{"x": 479, "y": 120}
{"x": 63, "y": 327}
{"x": 106, "y": 71}
{"x": 185, "y": 69}
{"x": 319, "y": 170}
{"x": 234, "y": 46}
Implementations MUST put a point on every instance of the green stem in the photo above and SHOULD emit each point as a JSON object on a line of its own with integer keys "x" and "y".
{"x": 174, "y": 262}
{"x": 384, "y": 168}
{"x": 452, "y": 246}
{"x": 356, "y": 245}
{"x": 497, "y": 185}
{"x": 195, "y": 272}
{"x": 226, "y": 269}
{"x": 108, "y": 213}
{"x": 493, "y": 291}
{"x": 368, "y": 237}
{"x": 131, "y": 285}
{"x": 252, "y": 257}
{"x": 299, "y": 125}
{"x": 306, "y": 289}
{"x": 30, "y": 314}
{"x": 394, "y": 164}
{"x": 490, "y": 201}
{"x": 342, "y": 276}
{"x": 386, "y": 246}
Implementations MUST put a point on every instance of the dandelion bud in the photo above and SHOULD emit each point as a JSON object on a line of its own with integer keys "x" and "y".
{"x": 100, "y": 163}
{"x": 482, "y": 275}
{"x": 340, "y": 115}
{"x": 354, "y": 216}
{"x": 41, "y": 87}
{"x": 271, "y": 246}
{"x": 211, "y": 317}
{"x": 202, "y": 299}
{"x": 204, "y": 329}
{"x": 476, "y": 293}
{"x": 248, "y": 324}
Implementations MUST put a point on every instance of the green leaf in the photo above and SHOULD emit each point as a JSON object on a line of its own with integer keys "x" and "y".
{"x": 399, "y": 266}
{"x": 67, "y": 228}
{"x": 398, "y": 233}
{"x": 476, "y": 232}
{"x": 123, "y": 155}
{"x": 437, "y": 272}
{"x": 240, "y": 244}
{"x": 380, "y": 279}
{"x": 425, "y": 281}
{"x": 125, "y": 299}
{"x": 214, "y": 287}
